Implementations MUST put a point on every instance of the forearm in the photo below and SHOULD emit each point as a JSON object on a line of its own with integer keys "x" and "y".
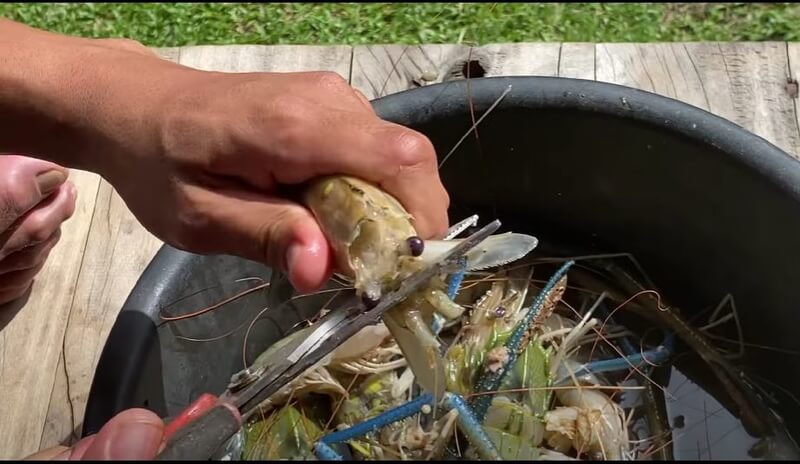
{"x": 71, "y": 100}
{"x": 33, "y": 119}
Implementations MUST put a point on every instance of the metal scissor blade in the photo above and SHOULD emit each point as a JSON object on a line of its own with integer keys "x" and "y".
{"x": 273, "y": 379}
{"x": 461, "y": 226}
{"x": 324, "y": 329}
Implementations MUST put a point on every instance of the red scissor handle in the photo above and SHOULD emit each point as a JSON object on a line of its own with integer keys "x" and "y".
{"x": 195, "y": 410}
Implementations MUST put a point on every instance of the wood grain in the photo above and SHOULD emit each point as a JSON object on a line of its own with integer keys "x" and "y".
{"x": 521, "y": 59}
{"x": 742, "y": 82}
{"x": 263, "y": 58}
{"x": 117, "y": 251}
{"x": 119, "y": 248}
{"x": 380, "y": 70}
{"x": 32, "y": 331}
{"x": 793, "y": 83}
{"x": 574, "y": 60}
{"x": 577, "y": 61}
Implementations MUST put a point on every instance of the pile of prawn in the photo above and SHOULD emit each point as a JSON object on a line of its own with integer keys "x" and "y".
{"x": 512, "y": 362}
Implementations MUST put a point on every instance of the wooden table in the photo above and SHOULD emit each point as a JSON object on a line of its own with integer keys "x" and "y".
{"x": 50, "y": 347}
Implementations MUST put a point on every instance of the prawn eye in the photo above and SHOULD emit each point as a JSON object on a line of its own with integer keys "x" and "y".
{"x": 499, "y": 312}
{"x": 415, "y": 245}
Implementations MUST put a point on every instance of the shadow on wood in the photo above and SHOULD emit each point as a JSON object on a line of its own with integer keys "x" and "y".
{"x": 11, "y": 309}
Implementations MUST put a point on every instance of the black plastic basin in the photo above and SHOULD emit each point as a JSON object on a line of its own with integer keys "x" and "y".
{"x": 706, "y": 207}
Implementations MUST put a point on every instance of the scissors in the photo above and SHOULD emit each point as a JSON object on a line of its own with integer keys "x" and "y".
{"x": 205, "y": 426}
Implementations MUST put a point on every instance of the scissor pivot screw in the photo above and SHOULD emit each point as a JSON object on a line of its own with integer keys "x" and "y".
{"x": 241, "y": 379}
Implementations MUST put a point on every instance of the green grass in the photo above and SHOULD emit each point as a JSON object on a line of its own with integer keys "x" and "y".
{"x": 162, "y": 24}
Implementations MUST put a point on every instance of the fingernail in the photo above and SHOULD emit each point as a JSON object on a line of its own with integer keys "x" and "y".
{"x": 135, "y": 440}
{"x": 49, "y": 181}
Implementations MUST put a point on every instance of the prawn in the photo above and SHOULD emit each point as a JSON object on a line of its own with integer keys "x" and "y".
{"x": 376, "y": 246}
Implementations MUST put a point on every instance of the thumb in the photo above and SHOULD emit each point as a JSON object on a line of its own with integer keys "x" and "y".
{"x": 26, "y": 182}
{"x": 277, "y": 232}
{"x": 131, "y": 434}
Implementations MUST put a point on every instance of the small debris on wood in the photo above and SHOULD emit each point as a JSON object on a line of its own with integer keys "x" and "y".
{"x": 791, "y": 87}
{"x": 429, "y": 76}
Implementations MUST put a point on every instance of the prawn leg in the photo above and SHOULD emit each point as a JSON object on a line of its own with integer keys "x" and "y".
{"x": 657, "y": 355}
{"x": 758, "y": 419}
{"x": 465, "y": 419}
{"x": 490, "y": 380}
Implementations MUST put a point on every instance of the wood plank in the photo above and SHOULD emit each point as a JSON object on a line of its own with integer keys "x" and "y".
{"x": 168, "y": 53}
{"x": 577, "y": 61}
{"x": 263, "y": 58}
{"x": 742, "y": 82}
{"x": 31, "y": 339}
{"x": 380, "y": 70}
{"x": 119, "y": 248}
{"x": 792, "y": 89}
{"x": 520, "y": 59}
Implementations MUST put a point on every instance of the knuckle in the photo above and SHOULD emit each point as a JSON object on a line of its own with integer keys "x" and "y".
{"x": 38, "y": 229}
{"x": 288, "y": 136}
{"x": 14, "y": 200}
{"x": 291, "y": 128}
{"x": 413, "y": 149}
{"x": 54, "y": 240}
{"x": 191, "y": 222}
{"x": 291, "y": 107}
{"x": 188, "y": 219}
{"x": 330, "y": 80}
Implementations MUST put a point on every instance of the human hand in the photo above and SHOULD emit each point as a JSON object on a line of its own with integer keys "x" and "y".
{"x": 134, "y": 434}
{"x": 35, "y": 199}
{"x": 229, "y": 142}
{"x": 252, "y": 134}
{"x": 201, "y": 158}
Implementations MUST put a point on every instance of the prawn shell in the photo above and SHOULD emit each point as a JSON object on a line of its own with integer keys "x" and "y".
{"x": 366, "y": 228}
{"x": 364, "y": 341}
